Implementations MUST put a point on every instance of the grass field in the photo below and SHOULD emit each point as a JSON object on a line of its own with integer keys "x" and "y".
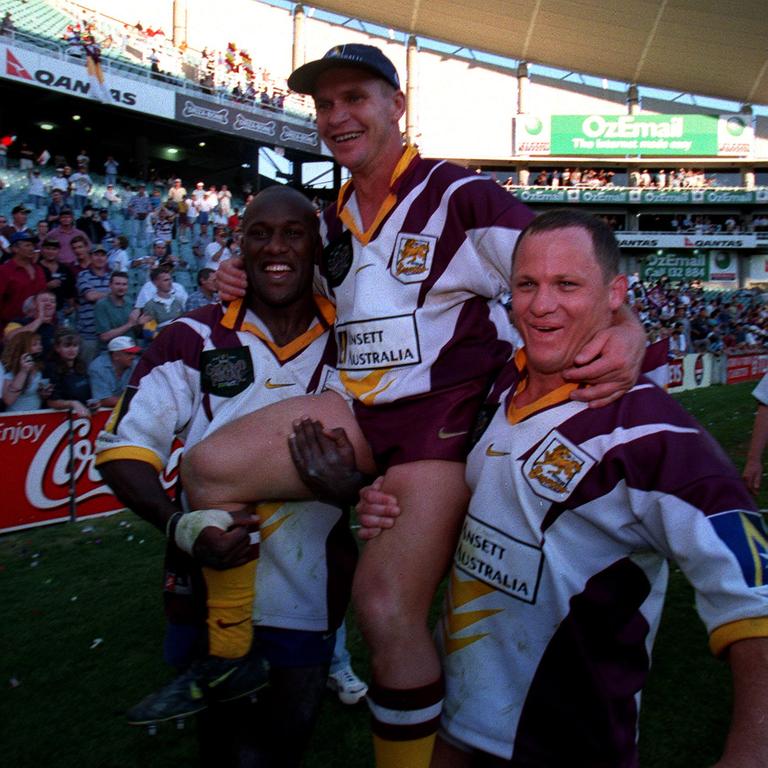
{"x": 82, "y": 629}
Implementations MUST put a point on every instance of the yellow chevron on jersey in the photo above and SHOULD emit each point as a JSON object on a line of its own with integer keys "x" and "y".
{"x": 460, "y": 593}
{"x": 367, "y": 389}
{"x": 266, "y": 512}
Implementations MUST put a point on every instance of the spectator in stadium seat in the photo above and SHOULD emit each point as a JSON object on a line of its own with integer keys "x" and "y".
{"x": 149, "y": 290}
{"x": 23, "y": 385}
{"x": 114, "y": 316}
{"x": 205, "y": 292}
{"x": 81, "y": 185}
{"x": 177, "y": 192}
{"x": 111, "y": 167}
{"x": 81, "y": 247}
{"x": 139, "y": 207}
{"x": 201, "y": 243}
{"x": 68, "y": 374}
{"x": 60, "y": 279}
{"x": 55, "y": 206}
{"x": 678, "y": 344}
{"x": 91, "y": 225}
{"x": 112, "y": 199}
{"x": 38, "y": 316}
{"x": 225, "y": 201}
{"x": 36, "y": 192}
{"x": 65, "y": 233}
{"x": 92, "y": 287}
{"x": 218, "y": 250}
{"x": 19, "y": 218}
{"x": 42, "y": 228}
{"x": 165, "y": 305}
{"x": 110, "y": 371}
{"x": 118, "y": 257}
{"x": 700, "y": 328}
{"x": 20, "y": 277}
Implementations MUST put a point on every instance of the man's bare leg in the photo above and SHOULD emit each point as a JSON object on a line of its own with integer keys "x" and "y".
{"x": 249, "y": 458}
{"x": 394, "y": 586}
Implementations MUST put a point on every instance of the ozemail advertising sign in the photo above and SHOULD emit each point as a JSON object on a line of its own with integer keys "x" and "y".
{"x": 40, "y": 452}
{"x": 730, "y": 135}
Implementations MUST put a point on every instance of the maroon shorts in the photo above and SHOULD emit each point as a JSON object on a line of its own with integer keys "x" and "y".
{"x": 437, "y": 426}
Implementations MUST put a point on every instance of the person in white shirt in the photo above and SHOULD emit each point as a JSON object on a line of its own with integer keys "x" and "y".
{"x": 218, "y": 250}
{"x": 149, "y": 291}
{"x": 118, "y": 258}
{"x": 36, "y": 193}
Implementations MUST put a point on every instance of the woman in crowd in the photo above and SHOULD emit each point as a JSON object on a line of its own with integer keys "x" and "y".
{"x": 68, "y": 374}
{"x": 23, "y": 388}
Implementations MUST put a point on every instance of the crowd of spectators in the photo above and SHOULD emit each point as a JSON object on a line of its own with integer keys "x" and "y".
{"x": 230, "y": 71}
{"x": 698, "y": 321}
{"x": 595, "y": 178}
{"x": 69, "y": 329}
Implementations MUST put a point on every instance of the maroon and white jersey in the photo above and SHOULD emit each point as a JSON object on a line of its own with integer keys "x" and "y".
{"x": 560, "y": 572}
{"x": 417, "y": 294}
{"x": 206, "y": 369}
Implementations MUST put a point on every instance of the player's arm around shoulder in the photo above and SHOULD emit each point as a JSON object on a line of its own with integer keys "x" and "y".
{"x": 609, "y": 364}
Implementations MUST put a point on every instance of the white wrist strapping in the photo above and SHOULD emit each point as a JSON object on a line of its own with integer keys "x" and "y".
{"x": 190, "y": 525}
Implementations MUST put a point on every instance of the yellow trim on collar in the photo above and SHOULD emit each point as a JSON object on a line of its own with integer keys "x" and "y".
{"x": 389, "y": 202}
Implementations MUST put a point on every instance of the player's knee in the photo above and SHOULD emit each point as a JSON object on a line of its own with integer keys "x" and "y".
{"x": 382, "y": 611}
{"x": 201, "y": 476}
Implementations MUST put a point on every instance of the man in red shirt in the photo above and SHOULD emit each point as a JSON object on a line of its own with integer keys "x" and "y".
{"x": 20, "y": 277}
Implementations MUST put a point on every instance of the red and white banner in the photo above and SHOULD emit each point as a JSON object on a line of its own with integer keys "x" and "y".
{"x": 745, "y": 368}
{"x": 49, "y": 469}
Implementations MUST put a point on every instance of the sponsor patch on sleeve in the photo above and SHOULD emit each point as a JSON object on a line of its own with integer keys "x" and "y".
{"x": 746, "y": 535}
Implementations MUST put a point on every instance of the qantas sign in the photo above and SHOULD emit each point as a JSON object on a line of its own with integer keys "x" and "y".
{"x": 60, "y": 81}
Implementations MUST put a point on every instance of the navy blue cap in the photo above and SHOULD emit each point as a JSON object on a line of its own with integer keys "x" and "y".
{"x": 20, "y": 237}
{"x": 354, "y": 55}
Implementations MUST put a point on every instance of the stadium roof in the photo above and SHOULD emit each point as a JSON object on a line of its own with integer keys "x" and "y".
{"x": 704, "y": 47}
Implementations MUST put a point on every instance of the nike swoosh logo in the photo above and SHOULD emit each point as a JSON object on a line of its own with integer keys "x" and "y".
{"x": 269, "y": 384}
{"x": 443, "y": 435}
{"x": 222, "y": 678}
{"x": 365, "y": 266}
{"x": 489, "y": 451}
{"x": 227, "y": 624}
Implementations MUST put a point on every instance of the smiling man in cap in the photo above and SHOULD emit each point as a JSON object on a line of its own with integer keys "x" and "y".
{"x": 111, "y": 370}
{"x": 416, "y": 254}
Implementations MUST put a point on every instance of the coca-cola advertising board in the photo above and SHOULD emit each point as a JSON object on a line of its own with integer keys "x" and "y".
{"x": 745, "y": 368}
{"x": 36, "y": 451}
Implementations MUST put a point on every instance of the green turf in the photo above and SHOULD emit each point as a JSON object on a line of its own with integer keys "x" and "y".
{"x": 67, "y": 586}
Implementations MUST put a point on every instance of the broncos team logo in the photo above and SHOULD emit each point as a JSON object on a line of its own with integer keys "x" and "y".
{"x": 556, "y": 468}
{"x": 554, "y": 471}
{"x": 413, "y": 257}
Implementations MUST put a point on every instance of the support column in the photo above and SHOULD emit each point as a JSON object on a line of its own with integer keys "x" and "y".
{"x": 179, "y": 22}
{"x": 633, "y": 100}
{"x": 411, "y": 127}
{"x": 298, "y": 37}
{"x": 523, "y": 87}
